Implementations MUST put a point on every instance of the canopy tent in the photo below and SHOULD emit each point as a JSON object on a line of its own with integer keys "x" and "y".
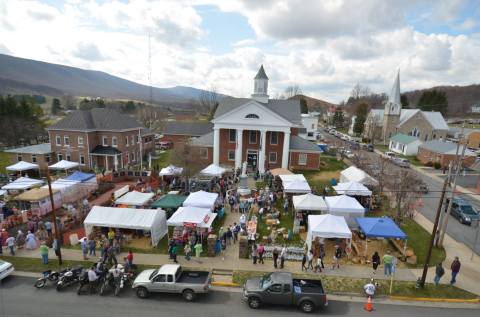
{"x": 170, "y": 170}
{"x": 152, "y": 220}
{"x": 201, "y": 199}
{"x": 134, "y": 198}
{"x": 280, "y": 171}
{"x": 192, "y": 216}
{"x": 23, "y": 183}
{"x": 88, "y": 181}
{"x": 380, "y": 228}
{"x": 213, "y": 170}
{"x": 354, "y": 174}
{"x": 327, "y": 226}
{"x": 169, "y": 201}
{"x": 63, "y": 165}
{"x": 352, "y": 189}
{"x": 37, "y": 200}
{"x": 22, "y": 166}
{"x": 286, "y": 178}
{"x": 345, "y": 206}
{"x": 297, "y": 186}
{"x": 3, "y": 192}
{"x": 71, "y": 190}
{"x": 309, "y": 202}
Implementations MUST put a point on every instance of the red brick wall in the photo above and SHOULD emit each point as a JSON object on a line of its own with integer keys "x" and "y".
{"x": 313, "y": 161}
{"x": 225, "y": 146}
{"x": 278, "y": 148}
{"x": 176, "y": 139}
{"x": 41, "y": 160}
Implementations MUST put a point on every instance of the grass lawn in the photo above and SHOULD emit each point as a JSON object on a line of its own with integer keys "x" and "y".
{"x": 330, "y": 168}
{"x": 346, "y": 285}
{"x": 381, "y": 147}
{"x": 342, "y": 130}
{"x": 4, "y": 162}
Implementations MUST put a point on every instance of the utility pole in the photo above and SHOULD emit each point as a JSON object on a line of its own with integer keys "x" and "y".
{"x": 449, "y": 208}
{"x": 434, "y": 230}
{"x": 437, "y": 235}
{"x": 54, "y": 219}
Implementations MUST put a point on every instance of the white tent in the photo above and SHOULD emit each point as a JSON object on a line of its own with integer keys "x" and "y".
{"x": 70, "y": 190}
{"x": 171, "y": 170}
{"x": 287, "y": 178}
{"x": 3, "y": 192}
{"x": 201, "y": 199}
{"x": 352, "y": 189}
{"x": 134, "y": 198}
{"x": 354, "y": 174}
{"x": 297, "y": 186}
{"x": 23, "y": 183}
{"x": 198, "y": 217}
{"x": 345, "y": 206}
{"x": 153, "y": 220}
{"x": 327, "y": 226}
{"x": 63, "y": 165}
{"x": 309, "y": 202}
{"x": 22, "y": 166}
{"x": 213, "y": 170}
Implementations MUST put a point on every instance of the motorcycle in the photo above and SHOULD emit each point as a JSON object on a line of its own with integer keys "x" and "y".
{"x": 113, "y": 280}
{"x": 93, "y": 286}
{"x": 69, "y": 277}
{"x": 49, "y": 275}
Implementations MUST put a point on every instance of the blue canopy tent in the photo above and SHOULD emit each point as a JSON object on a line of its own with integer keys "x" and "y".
{"x": 80, "y": 176}
{"x": 380, "y": 228}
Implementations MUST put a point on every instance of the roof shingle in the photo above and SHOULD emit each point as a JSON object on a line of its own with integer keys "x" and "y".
{"x": 188, "y": 128}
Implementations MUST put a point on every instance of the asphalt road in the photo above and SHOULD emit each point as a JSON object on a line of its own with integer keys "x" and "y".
{"x": 18, "y": 298}
{"x": 462, "y": 233}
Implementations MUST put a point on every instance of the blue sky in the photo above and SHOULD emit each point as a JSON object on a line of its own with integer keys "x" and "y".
{"x": 325, "y": 47}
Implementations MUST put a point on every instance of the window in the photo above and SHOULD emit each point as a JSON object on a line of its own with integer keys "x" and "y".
{"x": 19, "y": 157}
{"x": 126, "y": 141}
{"x": 159, "y": 278}
{"x": 66, "y": 141}
{"x": 58, "y": 140}
{"x": 59, "y": 157}
{"x": 47, "y": 158}
{"x": 273, "y": 138}
{"x": 136, "y": 139}
{"x": 104, "y": 141}
{"x": 69, "y": 157}
{"x": 82, "y": 159}
{"x": 252, "y": 116}
{"x": 286, "y": 288}
{"x": 114, "y": 141}
{"x": 434, "y": 136}
{"x": 34, "y": 158}
{"x": 169, "y": 278}
{"x": 132, "y": 141}
{"x": 302, "y": 159}
{"x": 204, "y": 153}
{"x": 252, "y": 137}
{"x": 310, "y": 134}
{"x": 231, "y": 155}
{"x": 276, "y": 288}
{"x": 132, "y": 156}
{"x": 313, "y": 126}
{"x": 232, "y": 138}
{"x": 272, "y": 157}
{"x": 80, "y": 141}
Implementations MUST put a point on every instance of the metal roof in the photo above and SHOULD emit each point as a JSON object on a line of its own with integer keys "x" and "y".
{"x": 188, "y": 128}
{"x": 288, "y": 109}
{"x": 300, "y": 144}
{"x": 96, "y": 119}
{"x": 43, "y": 148}
{"x": 204, "y": 140}
{"x": 403, "y": 138}
{"x": 444, "y": 147}
{"x": 435, "y": 118}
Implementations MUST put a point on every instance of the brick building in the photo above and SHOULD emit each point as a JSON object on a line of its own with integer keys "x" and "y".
{"x": 101, "y": 138}
{"x": 40, "y": 154}
{"x": 443, "y": 152}
{"x": 260, "y": 131}
{"x": 178, "y": 132}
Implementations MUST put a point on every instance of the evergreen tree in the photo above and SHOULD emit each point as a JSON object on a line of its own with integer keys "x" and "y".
{"x": 56, "y": 106}
{"x": 338, "y": 118}
{"x": 434, "y": 100}
{"x": 361, "y": 116}
{"x": 404, "y": 101}
{"x": 303, "y": 105}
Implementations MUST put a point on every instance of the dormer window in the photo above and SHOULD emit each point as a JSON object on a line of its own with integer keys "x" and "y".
{"x": 252, "y": 116}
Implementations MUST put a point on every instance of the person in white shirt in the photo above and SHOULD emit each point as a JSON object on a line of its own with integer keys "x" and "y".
{"x": 283, "y": 255}
{"x": 369, "y": 288}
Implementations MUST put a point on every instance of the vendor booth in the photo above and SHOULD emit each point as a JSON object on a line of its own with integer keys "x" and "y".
{"x": 304, "y": 205}
{"x": 352, "y": 189}
{"x": 201, "y": 199}
{"x": 383, "y": 227}
{"x": 88, "y": 181}
{"x": 134, "y": 198}
{"x": 169, "y": 201}
{"x": 171, "y": 170}
{"x": 354, "y": 174}
{"x": 22, "y": 183}
{"x": 213, "y": 170}
{"x": 63, "y": 165}
{"x": 191, "y": 221}
{"x": 295, "y": 183}
{"x": 22, "y": 166}
{"x": 70, "y": 190}
{"x": 327, "y": 226}
{"x": 149, "y": 220}
{"x": 37, "y": 200}
{"x": 345, "y": 206}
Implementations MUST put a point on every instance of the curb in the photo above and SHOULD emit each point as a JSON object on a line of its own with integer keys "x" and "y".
{"x": 435, "y": 300}
{"x": 225, "y": 284}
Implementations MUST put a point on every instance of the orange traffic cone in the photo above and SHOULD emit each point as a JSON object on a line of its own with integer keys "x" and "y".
{"x": 368, "y": 306}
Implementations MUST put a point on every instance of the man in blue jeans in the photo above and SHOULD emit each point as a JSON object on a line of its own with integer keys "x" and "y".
{"x": 387, "y": 263}
{"x": 44, "y": 253}
{"x": 455, "y": 267}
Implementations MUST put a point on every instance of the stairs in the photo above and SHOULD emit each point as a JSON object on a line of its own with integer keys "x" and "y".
{"x": 222, "y": 276}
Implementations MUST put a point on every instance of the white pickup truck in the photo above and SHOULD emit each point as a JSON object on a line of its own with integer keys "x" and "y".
{"x": 170, "y": 278}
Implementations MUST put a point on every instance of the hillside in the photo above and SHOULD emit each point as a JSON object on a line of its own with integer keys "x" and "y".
{"x": 314, "y": 104}
{"x": 19, "y": 75}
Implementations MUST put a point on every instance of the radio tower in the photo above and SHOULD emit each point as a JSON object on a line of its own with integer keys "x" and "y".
{"x": 150, "y": 76}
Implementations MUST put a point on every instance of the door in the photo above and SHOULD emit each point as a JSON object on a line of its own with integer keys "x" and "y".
{"x": 252, "y": 159}
{"x": 275, "y": 295}
{"x": 159, "y": 283}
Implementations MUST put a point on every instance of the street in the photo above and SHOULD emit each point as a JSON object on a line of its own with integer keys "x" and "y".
{"x": 18, "y": 298}
{"x": 462, "y": 233}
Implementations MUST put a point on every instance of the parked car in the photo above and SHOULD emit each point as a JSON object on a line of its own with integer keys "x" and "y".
{"x": 280, "y": 288}
{"x": 349, "y": 154}
{"x": 423, "y": 188}
{"x": 401, "y": 162}
{"x": 390, "y": 155}
{"x": 369, "y": 148}
{"x": 6, "y": 269}
{"x": 463, "y": 211}
{"x": 170, "y": 278}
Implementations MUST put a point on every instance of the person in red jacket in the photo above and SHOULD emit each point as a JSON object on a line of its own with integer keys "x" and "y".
{"x": 130, "y": 259}
{"x": 455, "y": 267}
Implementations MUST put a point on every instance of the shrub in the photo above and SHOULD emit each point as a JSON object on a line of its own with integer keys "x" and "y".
{"x": 437, "y": 165}
{"x": 429, "y": 164}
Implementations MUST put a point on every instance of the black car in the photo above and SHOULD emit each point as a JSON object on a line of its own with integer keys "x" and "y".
{"x": 463, "y": 211}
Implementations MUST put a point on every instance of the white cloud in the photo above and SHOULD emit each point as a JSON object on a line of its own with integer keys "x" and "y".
{"x": 468, "y": 24}
{"x": 88, "y": 51}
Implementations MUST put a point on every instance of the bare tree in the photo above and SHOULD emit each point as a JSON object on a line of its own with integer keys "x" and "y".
{"x": 69, "y": 102}
{"x": 359, "y": 91}
{"x": 209, "y": 101}
{"x": 401, "y": 185}
{"x": 292, "y": 91}
{"x": 186, "y": 155}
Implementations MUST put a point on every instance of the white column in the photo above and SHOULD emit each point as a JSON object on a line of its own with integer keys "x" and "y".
{"x": 261, "y": 157}
{"x": 239, "y": 150}
{"x": 106, "y": 163}
{"x": 216, "y": 146}
{"x": 286, "y": 149}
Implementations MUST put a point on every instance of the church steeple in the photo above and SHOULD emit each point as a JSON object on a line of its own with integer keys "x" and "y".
{"x": 260, "y": 87}
{"x": 394, "y": 106}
